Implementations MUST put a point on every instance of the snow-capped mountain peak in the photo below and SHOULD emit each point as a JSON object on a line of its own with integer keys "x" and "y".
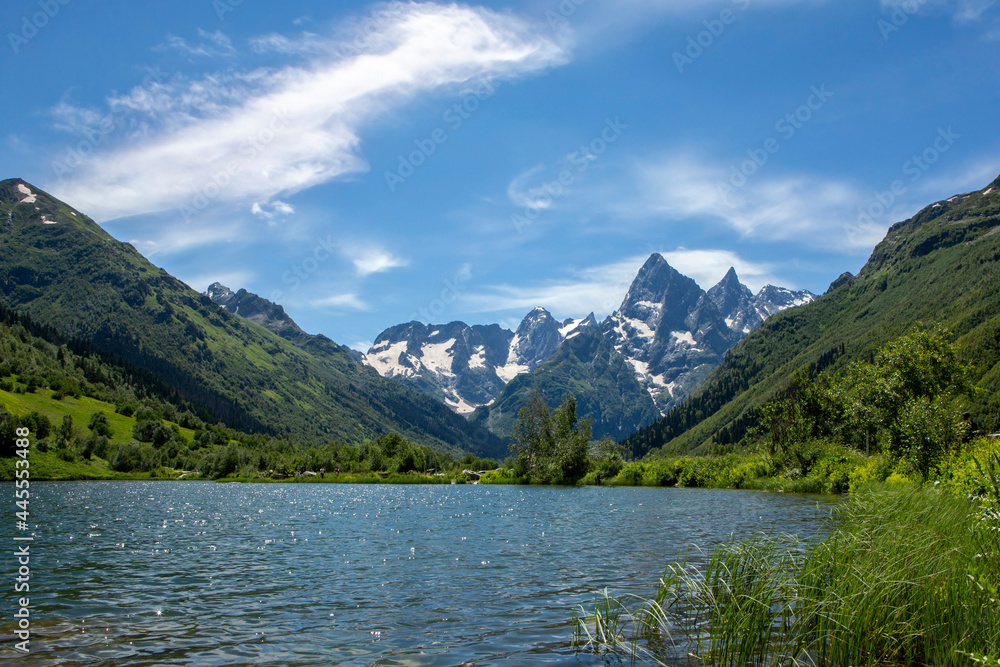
{"x": 669, "y": 330}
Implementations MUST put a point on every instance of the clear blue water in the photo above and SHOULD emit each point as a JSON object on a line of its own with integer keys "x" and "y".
{"x": 197, "y": 573}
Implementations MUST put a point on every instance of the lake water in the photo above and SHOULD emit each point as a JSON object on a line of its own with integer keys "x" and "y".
{"x": 197, "y": 573}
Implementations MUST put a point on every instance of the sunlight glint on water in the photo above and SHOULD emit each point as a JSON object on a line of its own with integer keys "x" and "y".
{"x": 154, "y": 573}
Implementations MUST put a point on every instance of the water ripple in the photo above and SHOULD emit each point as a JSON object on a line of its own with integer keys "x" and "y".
{"x": 189, "y": 573}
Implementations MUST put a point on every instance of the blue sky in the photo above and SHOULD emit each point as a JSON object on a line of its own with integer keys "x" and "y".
{"x": 368, "y": 164}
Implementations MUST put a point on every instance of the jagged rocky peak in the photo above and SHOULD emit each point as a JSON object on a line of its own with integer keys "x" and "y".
{"x": 252, "y": 307}
{"x": 572, "y": 327}
{"x": 772, "y": 300}
{"x": 660, "y": 296}
{"x": 219, "y": 293}
{"x": 735, "y": 303}
{"x": 729, "y": 294}
{"x": 536, "y": 338}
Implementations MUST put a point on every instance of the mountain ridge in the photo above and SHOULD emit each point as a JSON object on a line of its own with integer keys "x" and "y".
{"x": 62, "y": 270}
{"x": 940, "y": 265}
{"x": 668, "y": 330}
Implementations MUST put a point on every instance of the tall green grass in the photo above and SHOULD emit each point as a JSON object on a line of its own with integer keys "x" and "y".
{"x": 908, "y": 577}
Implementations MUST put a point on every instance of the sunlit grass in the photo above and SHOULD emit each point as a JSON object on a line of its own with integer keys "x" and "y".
{"x": 908, "y": 577}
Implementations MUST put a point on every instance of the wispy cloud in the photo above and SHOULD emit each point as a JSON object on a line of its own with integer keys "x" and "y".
{"x": 962, "y": 11}
{"x": 212, "y": 44}
{"x": 376, "y": 260}
{"x": 172, "y": 239}
{"x": 601, "y": 289}
{"x": 348, "y": 301}
{"x": 271, "y": 210}
{"x": 305, "y": 44}
{"x": 263, "y": 134}
{"x": 524, "y": 191}
{"x": 776, "y": 207}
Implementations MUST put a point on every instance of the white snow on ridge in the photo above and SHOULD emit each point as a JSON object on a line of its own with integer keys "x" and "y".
{"x": 30, "y": 197}
{"x": 986, "y": 192}
{"x": 511, "y": 370}
{"x": 436, "y": 357}
{"x": 683, "y": 337}
{"x": 478, "y": 358}
{"x": 641, "y": 329}
{"x": 458, "y": 404}
{"x": 386, "y": 361}
{"x": 566, "y": 330}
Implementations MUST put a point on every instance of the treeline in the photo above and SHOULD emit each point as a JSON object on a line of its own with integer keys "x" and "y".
{"x": 909, "y": 402}
{"x": 41, "y": 357}
{"x": 163, "y": 434}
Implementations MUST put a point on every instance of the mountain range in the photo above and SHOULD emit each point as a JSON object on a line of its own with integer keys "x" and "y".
{"x": 239, "y": 359}
{"x": 663, "y": 340}
{"x": 259, "y": 373}
{"x": 940, "y": 266}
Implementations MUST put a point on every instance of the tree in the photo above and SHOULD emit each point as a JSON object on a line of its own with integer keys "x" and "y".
{"x": 907, "y": 401}
{"x": 99, "y": 425}
{"x": 532, "y": 434}
{"x": 550, "y": 447}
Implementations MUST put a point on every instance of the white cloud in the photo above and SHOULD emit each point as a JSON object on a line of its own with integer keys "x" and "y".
{"x": 601, "y": 289}
{"x": 799, "y": 208}
{"x": 376, "y": 260}
{"x": 962, "y": 11}
{"x": 268, "y": 211}
{"x": 362, "y": 346}
{"x": 775, "y": 207}
{"x": 708, "y": 266}
{"x": 213, "y": 44}
{"x": 349, "y": 301}
{"x": 306, "y": 44}
{"x": 182, "y": 237}
{"x": 254, "y": 136}
{"x": 522, "y": 194}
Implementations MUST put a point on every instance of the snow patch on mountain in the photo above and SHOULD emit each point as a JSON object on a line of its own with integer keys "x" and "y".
{"x": 29, "y": 196}
{"x": 389, "y": 360}
{"x": 669, "y": 331}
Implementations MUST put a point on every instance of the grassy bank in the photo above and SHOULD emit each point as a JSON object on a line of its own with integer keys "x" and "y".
{"x": 910, "y": 576}
{"x": 817, "y": 468}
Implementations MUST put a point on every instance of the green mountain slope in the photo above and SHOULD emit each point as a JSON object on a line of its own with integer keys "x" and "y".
{"x": 64, "y": 271}
{"x": 941, "y": 265}
{"x": 603, "y": 382}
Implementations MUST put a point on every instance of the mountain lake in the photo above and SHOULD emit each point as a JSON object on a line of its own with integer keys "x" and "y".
{"x": 199, "y": 573}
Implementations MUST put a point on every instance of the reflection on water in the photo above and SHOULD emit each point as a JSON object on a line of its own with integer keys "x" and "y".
{"x": 197, "y": 573}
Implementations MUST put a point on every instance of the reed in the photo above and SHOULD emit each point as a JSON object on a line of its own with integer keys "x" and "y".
{"x": 909, "y": 576}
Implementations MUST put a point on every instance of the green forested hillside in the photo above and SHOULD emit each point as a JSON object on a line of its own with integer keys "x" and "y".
{"x": 942, "y": 265}
{"x": 61, "y": 269}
